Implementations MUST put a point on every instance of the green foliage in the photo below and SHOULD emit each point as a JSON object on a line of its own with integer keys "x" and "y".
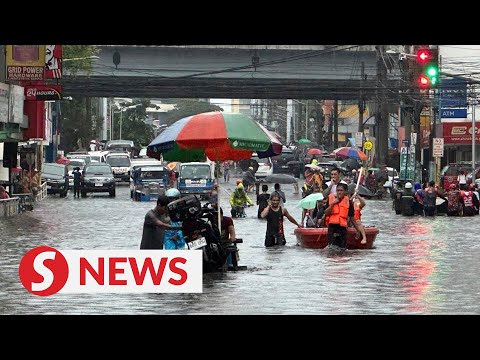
{"x": 189, "y": 107}
{"x": 75, "y": 130}
{"x": 80, "y": 52}
{"x": 134, "y": 126}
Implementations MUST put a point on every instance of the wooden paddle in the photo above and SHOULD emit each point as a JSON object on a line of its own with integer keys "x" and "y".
{"x": 358, "y": 184}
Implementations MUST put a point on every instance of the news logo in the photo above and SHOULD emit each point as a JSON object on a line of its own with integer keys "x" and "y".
{"x": 46, "y": 271}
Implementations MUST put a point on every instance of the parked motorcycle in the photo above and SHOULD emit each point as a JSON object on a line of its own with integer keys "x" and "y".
{"x": 201, "y": 232}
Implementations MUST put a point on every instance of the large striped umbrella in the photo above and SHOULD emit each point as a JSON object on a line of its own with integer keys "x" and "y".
{"x": 218, "y": 135}
{"x": 350, "y": 152}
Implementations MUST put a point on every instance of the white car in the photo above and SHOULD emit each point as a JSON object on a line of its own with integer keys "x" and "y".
{"x": 265, "y": 166}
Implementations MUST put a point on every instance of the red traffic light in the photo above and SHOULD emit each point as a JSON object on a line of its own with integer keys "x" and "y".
{"x": 424, "y": 56}
{"x": 423, "y": 81}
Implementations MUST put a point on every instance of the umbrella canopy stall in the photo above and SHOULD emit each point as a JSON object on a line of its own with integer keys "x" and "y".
{"x": 219, "y": 136}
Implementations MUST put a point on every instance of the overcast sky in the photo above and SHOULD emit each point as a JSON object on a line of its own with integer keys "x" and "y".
{"x": 461, "y": 59}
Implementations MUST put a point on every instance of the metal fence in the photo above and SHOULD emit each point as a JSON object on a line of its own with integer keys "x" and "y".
{"x": 9, "y": 207}
{"x": 42, "y": 194}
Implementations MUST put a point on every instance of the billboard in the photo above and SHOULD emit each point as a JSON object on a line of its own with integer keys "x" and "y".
{"x": 43, "y": 92}
{"x": 25, "y": 62}
{"x": 459, "y": 133}
{"x": 453, "y": 93}
{"x": 53, "y": 61}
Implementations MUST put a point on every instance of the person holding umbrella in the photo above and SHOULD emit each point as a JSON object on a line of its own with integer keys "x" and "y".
{"x": 77, "y": 180}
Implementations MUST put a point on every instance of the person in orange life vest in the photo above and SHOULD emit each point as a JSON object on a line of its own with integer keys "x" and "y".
{"x": 339, "y": 211}
{"x": 467, "y": 198}
{"x": 358, "y": 205}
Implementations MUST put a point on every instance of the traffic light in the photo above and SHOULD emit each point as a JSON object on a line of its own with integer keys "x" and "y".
{"x": 427, "y": 68}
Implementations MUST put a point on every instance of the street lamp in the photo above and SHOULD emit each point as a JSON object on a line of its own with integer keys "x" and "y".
{"x": 121, "y": 117}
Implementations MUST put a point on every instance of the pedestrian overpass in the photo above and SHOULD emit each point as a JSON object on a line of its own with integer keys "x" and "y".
{"x": 238, "y": 71}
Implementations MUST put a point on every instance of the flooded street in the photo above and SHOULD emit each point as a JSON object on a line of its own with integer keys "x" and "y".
{"x": 418, "y": 266}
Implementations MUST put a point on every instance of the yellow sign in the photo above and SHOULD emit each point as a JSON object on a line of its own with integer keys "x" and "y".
{"x": 368, "y": 145}
{"x": 25, "y": 62}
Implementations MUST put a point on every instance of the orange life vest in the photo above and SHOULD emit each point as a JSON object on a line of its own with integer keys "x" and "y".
{"x": 339, "y": 214}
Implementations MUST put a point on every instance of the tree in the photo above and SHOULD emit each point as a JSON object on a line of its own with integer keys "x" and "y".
{"x": 82, "y": 55}
{"x": 134, "y": 126}
{"x": 75, "y": 127}
{"x": 189, "y": 107}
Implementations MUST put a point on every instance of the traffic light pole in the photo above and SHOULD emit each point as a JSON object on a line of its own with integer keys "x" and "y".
{"x": 474, "y": 133}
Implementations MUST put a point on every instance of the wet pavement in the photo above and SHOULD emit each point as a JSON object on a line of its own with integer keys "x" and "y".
{"x": 419, "y": 265}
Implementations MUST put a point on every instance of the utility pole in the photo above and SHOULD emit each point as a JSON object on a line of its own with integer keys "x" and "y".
{"x": 474, "y": 134}
{"x": 88, "y": 105}
{"x": 335, "y": 124}
{"x": 330, "y": 127}
{"x": 361, "y": 101}
{"x": 306, "y": 119}
{"x": 382, "y": 109}
{"x": 3, "y": 67}
{"x": 320, "y": 122}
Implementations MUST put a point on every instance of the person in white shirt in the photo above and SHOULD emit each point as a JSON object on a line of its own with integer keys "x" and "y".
{"x": 332, "y": 184}
{"x": 462, "y": 180}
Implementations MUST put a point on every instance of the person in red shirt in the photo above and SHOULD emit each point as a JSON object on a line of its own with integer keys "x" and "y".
{"x": 3, "y": 194}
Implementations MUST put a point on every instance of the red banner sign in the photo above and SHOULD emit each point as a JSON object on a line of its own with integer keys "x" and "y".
{"x": 43, "y": 92}
{"x": 459, "y": 133}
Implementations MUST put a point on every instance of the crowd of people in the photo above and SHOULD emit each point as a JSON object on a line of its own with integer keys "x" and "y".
{"x": 429, "y": 199}
{"x": 336, "y": 211}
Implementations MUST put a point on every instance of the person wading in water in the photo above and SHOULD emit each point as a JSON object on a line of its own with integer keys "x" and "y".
{"x": 274, "y": 214}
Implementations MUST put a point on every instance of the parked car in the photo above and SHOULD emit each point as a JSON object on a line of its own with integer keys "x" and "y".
{"x": 196, "y": 178}
{"x": 56, "y": 177}
{"x": 98, "y": 156}
{"x": 98, "y": 177}
{"x": 120, "y": 163}
{"x": 265, "y": 166}
{"x": 80, "y": 155}
{"x": 449, "y": 174}
{"x": 327, "y": 166}
{"x": 285, "y": 163}
{"x": 393, "y": 174}
{"x": 149, "y": 180}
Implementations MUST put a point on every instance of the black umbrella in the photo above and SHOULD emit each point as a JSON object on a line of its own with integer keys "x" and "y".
{"x": 362, "y": 190}
{"x": 350, "y": 164}
{"x": 280, "y": 178}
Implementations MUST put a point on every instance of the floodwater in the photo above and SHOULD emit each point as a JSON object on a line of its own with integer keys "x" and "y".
{"x": 419, "y": 265}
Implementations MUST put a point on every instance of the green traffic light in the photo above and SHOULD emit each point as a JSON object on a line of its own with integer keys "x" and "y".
{"x": 432, "y": 71}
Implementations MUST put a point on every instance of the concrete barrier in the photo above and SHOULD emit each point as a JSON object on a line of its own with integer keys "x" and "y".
{"x": 9, "y": 207}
